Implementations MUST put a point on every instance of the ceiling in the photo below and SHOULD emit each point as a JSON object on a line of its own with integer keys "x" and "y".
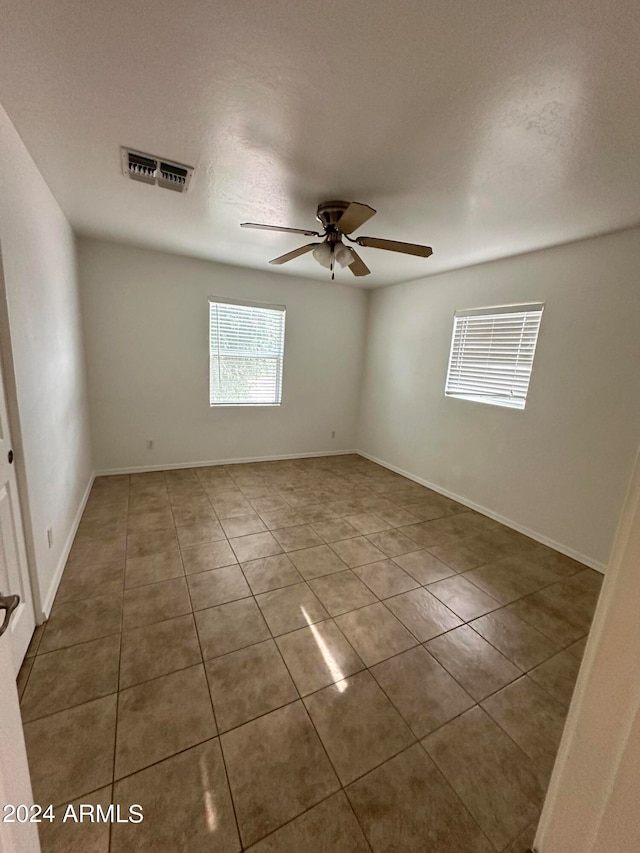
{"x": 483, "y": 129}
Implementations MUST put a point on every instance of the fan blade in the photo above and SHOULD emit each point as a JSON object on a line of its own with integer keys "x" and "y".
{"x": 358, "y": 267}
{"x": 295, "y": 254}
{"x": 354, "y": 216}
{"x": 280, "y": 228}
{"x": 395, "y": 246}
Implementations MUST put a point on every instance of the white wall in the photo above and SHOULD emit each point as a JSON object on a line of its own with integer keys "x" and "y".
{"x": 146, "y": 317}
{"x": 559, "y": 468}
{"x": 38, "y": 258}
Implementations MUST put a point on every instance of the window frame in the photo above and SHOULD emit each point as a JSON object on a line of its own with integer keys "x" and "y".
{"x": 502, "y": 401}
{"x": 223, "y": 300}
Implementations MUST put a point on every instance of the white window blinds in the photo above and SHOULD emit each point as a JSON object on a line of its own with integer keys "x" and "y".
{"x": 246, "y": 350}
{"x": 492, "y": 353}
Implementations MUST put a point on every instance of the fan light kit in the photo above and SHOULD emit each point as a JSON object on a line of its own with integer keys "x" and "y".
{"x": 340, "y": 219}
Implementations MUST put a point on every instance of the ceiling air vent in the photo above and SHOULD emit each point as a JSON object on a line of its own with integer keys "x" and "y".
{"x": 153, "y": 170}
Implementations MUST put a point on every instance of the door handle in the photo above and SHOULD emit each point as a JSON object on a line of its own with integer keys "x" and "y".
{"x": 8, "y": 603}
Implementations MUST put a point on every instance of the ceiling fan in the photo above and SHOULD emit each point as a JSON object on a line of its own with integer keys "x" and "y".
{"x": 340, "y": 219}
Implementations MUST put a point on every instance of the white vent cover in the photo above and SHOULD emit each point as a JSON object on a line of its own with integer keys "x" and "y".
{"x": 154, "y": 170}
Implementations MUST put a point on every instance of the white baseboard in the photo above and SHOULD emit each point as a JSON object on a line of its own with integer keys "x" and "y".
{"x": 532, "y": 534}
{"x": 62, "y": 562}
{"x": 143, "y": 469}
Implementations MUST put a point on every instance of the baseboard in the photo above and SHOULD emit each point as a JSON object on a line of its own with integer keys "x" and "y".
{"x": 532, "y": 534}
{"x": 64, "y": 556}
{"x": 142, "y": 469}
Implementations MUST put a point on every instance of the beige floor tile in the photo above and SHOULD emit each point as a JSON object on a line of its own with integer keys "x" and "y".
{"x": 144, "y": 522}
{"x": 97, "y": 551}
{"x": 426, "y": 534}
{"x": 296, "y": 538}
{"x": 424, "y": 567}
{"x": 200, "y": 533}
{"x": 329, "y": 826}
{"x": 102, "y": 527}
{"x": 568, "y": 602}
{"x": 187, "y": 806}
{"x": 268, "y": 503}
{"x": 71, "y": 676}
{"x": 90, "y": 581}
{"x": 422, "y": 613}
{"x": 396, "y": 517}
{"x": 71, "y": 752}
{"x": 560, "y": 564}
{"x": 254, "y": 546}
{"x": 155, "y": 603}
{"x": 81, "y": 621}
{"x": 393, "y": 543}
{"x": 357, "y": 552}
{"x": 376, "y": 503}
{"x": 147, "y": 501}
{"x": 517, "y": 640}
{"x": 317, "y": 656}
{"x": 282, "y": 518}
{"x": 268, "y": 791}
{"x": 422, "y": 691}
{"x": 139, "y": 544}
{"x": 231, "y": 507}
{"x": 191, "y": 515}
{"x": 367, "y": 522}
{"x": 375, "y": 633}
{"x": 271, "y": 573}
{"x": 316, "y": 561}
{"x": 475, "y": 664}
{"x": 531, "y": 717}
{"x": 385, "y": 578}
{"x": 152, "y": 568}
{"x": 204, "y": 558}
{"x": 558, "y": 675}
{"x": 72, "y": 836}
{"x": 158, "y": 718}
{"x": 428, "y": 508}
{"x": 242, "y": 525}
{"x": 510, "y": 578}
{"x": 158, "y": 649}
{"x": 290, "y": 607}
{"x": 248, "y": 683}
{"x": 552, "y": 617}
{"x": 341, "y": 592}
{"x": 496, "y": 781}
{"x": 406, "y": 806}
{"x": 460, "y": 555}
{"x": 300, "y": 576}
{"x": 461, "y": 596}
{"x": 217, "y": 587}
{"x": 334, "y": 529}
{"x": 229, "y": 627}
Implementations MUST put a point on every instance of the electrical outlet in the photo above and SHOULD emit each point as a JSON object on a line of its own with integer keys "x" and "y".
{"x": 149, "y": 444}
{"x": 50, "y": 536}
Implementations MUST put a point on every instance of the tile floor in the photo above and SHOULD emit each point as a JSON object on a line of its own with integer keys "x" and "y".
{"x": 313, "y": 655}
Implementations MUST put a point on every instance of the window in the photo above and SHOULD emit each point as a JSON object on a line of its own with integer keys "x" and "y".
{"x": 246, "y": 350}
{"x": 492, "y": 353}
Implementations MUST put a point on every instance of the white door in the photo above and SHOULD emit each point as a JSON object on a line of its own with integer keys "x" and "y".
{"x": 14, "y": 574}
{"x": 16, "y": 835}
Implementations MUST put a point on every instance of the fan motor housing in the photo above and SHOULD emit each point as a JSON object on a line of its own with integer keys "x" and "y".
{"x": 329, "y": 213}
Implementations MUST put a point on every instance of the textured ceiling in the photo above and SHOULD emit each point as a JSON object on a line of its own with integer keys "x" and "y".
{"x": 483, "y": 129}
